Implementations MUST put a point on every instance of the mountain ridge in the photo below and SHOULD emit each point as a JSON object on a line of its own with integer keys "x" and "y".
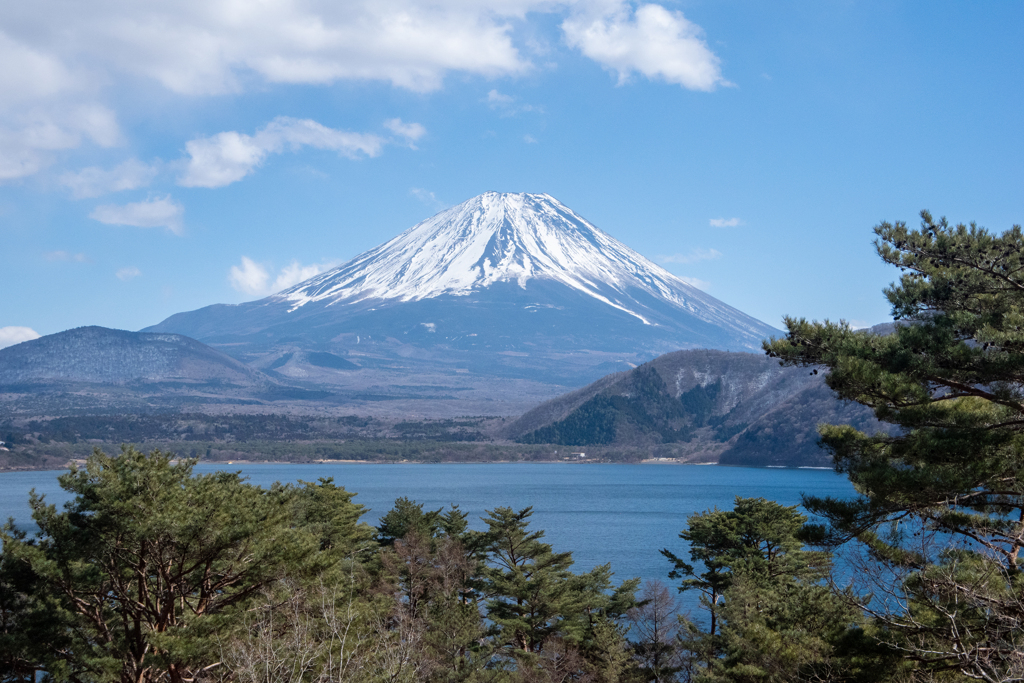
{"x": 94, "y": 354}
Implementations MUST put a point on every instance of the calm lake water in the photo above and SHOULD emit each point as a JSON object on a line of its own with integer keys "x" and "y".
{"x": 623, "y": 514}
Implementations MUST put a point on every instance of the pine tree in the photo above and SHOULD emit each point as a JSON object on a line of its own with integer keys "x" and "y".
{"x": 536, "y": 602}
{"x": 941, "y": 499}
{"x": 772, "y": 618}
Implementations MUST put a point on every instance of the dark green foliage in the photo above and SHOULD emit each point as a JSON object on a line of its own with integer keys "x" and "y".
{"x": 757, "y": 537}
{"x": 237, "y": 428}
{"x": 942, "y": 498}
{"x": 22, "y": 624}
{"x": 535, "y": 600}
{"x": 590, "y": 424}
{"x": 647, "y": 408}
{"x": 407, "y": 517}
{"x": 326, "y": 512}
{"x": 770, "y": 615}
{"x": 155, "y": 574}
{"x": 148, "y": 561}
{"x": 699, "y": 402}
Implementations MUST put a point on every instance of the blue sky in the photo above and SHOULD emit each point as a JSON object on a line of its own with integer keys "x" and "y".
{"x": 157, "y": 157}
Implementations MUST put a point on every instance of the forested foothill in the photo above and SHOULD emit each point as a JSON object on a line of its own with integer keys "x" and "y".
{"x": 704, "y": 405}
{"x": 153, "y": 573}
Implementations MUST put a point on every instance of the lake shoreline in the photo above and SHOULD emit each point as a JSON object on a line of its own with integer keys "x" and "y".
{"x": 252, "y": 463}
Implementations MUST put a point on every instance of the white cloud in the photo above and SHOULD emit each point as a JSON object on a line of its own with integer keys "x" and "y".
{"x": 46, "y": 106}
{"x": 161, "y": 212}
{"x": 95, "y": 181}
{"x": 127, "y": 273}
{"x": 63, "y": 59}
{"x": 529, "y": 139}
{"x": 725, "y": 222}
{"x": 30, "y": 73}
{"x": 228, "y": 157}
{"x": 30, "y": 137}
{"x": 496, "y": 99}
{"x": 249, "y": 278}
{"x": 294, "y": 273}
{"x": 255, "y": 278}
{"x": 694, "y": 255}
{"x": 65, "y": 256}
{"x": 656, "y": 42}
{"x": 202, "y": 47}
{"x": 410, "y": 131}
{"x": 9, "y": 336}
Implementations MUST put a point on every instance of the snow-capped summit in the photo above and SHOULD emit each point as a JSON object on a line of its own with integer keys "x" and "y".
{"x": 498, "y": 237}
{"x": 500, "y": 284}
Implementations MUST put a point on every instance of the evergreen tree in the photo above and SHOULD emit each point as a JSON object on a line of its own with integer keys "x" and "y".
{"x": 771, "y": 617}
{"x": 147, "y": 562}
{"x": 535, "y": 601}
{"x": 407, "y": 517}
{"x": 757, "y": 537}
{"x": 941, "y": 504}
{"x": 527, "y": 582}
{"x": 326, "y": 511}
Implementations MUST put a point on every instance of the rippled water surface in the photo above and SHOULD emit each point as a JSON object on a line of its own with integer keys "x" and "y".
{"x": 621, "y": 514}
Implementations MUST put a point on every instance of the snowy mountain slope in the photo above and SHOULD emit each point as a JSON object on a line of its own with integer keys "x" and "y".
{"x": 507, "y": 285}
{"x": 507, "y": 238}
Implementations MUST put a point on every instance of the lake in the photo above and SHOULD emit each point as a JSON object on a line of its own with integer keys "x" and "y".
{"x": 623, "y": 514}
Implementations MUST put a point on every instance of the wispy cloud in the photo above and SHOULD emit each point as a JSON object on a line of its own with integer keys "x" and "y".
{"x": 251, "y": 277}
{"x": 693, "y": 256}
{"x": 65, "y": 256}
{"x": 127, "y": 273}
{"x": 161, "y": 212}
{"x": 507, "y": 105}
{"x": 529, "y": 139}
{"x": 410, "y": 131}
{"x": 95, "y": 181}
{"x": 31, "y": 137}
{"x": 495, "y": 99}
{"x": 9, "y": 336}
{"x": 228, "y": 157}
{"x": 725, "y": 222}
{"x": 428, "y": 198}
{"x": 654, "y": 41}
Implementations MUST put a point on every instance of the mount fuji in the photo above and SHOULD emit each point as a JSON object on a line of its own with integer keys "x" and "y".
{"x": 503, "y": 286}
